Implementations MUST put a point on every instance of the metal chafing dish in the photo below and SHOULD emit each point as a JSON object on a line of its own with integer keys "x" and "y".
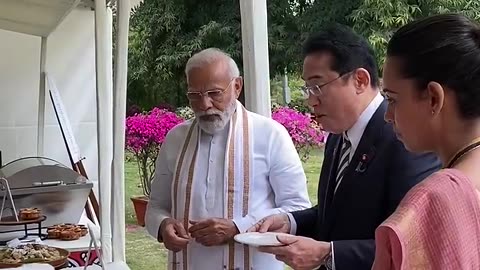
{"x": 44, "y": 183}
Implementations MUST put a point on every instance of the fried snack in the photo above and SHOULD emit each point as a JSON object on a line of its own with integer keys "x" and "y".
{"x": 69, "y": 235}
{"x": 29, "y": 213}
{"x": 54, "y": 233}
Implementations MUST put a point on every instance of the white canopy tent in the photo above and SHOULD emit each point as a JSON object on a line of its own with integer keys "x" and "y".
{"x": 41, "y": 17}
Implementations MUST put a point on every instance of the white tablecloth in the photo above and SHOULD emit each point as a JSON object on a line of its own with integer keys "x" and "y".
{"x": 33, "y": 266}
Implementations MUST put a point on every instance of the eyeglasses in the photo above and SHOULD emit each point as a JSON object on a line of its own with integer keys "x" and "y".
{"x": 316, "y": 90}
{"x": 215, "y": 94}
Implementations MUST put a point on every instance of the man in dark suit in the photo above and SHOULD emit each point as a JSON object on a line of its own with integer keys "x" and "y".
{"x": 366, "y": 171}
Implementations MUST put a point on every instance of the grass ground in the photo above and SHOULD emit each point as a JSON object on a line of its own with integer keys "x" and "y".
{"x": 143, "y": 252}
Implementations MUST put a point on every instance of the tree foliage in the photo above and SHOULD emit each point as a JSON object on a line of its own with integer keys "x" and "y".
{"x": 378, "y": 19}
{"x": 165, "y": 33}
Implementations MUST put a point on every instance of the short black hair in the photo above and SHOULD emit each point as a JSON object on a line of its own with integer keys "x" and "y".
{"x": 350, "y": 50}
{"x": 444, "y": 49}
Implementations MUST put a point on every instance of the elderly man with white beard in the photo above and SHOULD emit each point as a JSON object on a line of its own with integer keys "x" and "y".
{"x": 219, "y": 173}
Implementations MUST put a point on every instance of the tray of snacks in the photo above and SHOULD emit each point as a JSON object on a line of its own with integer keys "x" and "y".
{"x": 32, "y": 253}
{"x": 30, "y": 219}
{"x": 25, "y": 216}
{"x": 66, "y": 231}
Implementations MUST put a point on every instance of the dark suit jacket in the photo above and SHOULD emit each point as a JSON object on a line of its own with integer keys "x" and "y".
{"x": 377, "y": 178}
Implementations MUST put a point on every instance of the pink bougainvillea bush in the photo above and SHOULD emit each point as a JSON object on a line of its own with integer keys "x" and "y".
{"x": 306, "y": 134}
{"x": 145, "y": 133}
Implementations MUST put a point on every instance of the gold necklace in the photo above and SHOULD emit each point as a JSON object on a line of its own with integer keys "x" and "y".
{"x": 474, "y": 144}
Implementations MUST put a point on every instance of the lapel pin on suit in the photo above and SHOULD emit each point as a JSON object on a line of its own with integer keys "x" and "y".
{"x": 364, "y": 161}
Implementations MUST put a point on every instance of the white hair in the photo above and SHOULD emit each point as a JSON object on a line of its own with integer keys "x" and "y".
{"x": 209, "y": 56}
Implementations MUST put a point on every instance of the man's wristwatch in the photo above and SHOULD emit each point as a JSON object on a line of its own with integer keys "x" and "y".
{"x": 327, "y": 261}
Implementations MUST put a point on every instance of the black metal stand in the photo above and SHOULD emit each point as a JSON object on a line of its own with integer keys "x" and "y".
{"x": 10, "y": 221}
{"x": 41, "y": 235}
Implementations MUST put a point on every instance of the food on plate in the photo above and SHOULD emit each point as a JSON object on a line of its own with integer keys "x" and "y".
{"x": 66, "y": 231}
{"x": 54, "y": 233}
{"x": 69, "y": 235}
{"x": 29, "y": 213}
{"x": 29, "y": 253}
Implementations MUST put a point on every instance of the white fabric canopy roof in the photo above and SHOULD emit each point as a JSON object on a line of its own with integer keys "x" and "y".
{"x": 34, "y": 17}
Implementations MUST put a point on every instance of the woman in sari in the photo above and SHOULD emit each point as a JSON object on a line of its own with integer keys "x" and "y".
{"x": 432, "y": 82}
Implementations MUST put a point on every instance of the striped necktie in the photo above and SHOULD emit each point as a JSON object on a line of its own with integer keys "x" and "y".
{"x": 344, "y": 161}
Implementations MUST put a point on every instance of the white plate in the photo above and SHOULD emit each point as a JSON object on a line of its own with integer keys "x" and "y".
{"x": 256, "y": 239}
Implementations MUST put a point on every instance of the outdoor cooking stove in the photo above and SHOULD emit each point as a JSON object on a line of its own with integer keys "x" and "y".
{"x": 58, "y": 191}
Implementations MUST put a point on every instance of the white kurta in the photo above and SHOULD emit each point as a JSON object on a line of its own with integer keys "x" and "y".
{"x": 278, "y": 185}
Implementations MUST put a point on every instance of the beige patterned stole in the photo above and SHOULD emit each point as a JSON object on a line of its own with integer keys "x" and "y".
{"x": 237, "y": 186}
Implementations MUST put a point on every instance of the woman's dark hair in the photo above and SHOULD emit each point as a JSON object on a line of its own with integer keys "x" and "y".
{"x": 350, "y": 50}
{"x": 444, "y": 49}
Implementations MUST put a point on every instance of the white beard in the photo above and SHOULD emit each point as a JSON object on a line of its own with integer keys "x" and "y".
{"x": 217, "y": 120}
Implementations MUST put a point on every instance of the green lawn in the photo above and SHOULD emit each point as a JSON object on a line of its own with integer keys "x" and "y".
{"x": 143, "y": 252}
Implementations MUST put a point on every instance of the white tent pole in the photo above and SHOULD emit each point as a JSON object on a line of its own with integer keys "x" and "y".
{"x": 41, "y": 98}
{"x": 109, "y": 131}
{"x": 103, "y": 52}
{"x": 119, "y": 105}
{"x": 255, "y": 56}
